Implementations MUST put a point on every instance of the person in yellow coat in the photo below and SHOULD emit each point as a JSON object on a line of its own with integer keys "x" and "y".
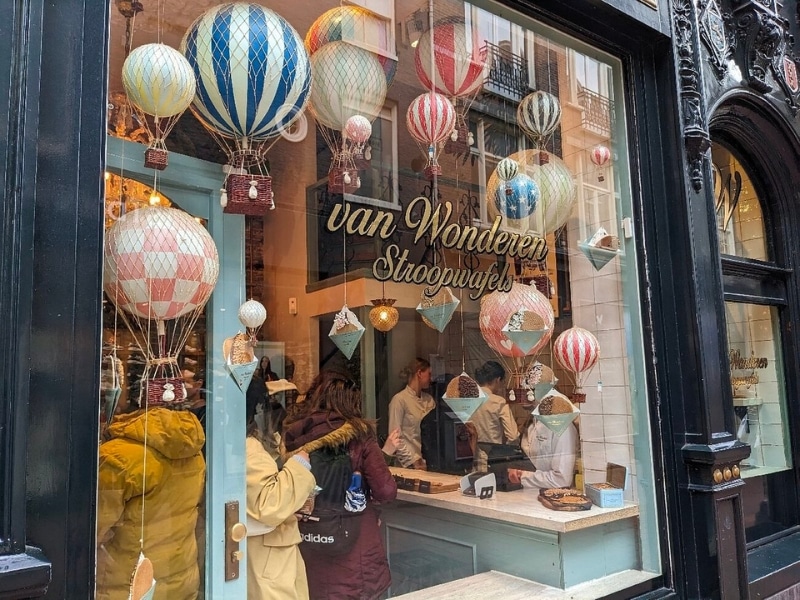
{"x": 160, "y": 484}
{"x": 275, "y": 567}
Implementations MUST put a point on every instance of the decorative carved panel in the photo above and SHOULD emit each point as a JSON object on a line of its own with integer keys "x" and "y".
{"x": 714, "y": 36}
{"x": 765, "y": 48}
{"x": 695, "y": 129}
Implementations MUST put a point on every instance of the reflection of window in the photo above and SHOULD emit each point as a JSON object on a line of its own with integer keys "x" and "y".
{"x": 756, "y": 296}
{"x": 511, "y": 74}
{"x": 740, "y": 222}
{"x": 495, "y": 140}
{"x": 379, "y": 184}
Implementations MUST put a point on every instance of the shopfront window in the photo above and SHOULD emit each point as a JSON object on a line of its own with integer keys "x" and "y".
{"x": 455, "y": 239}
{"x": 740, "y": 222}
{"x": 755, "y": 293}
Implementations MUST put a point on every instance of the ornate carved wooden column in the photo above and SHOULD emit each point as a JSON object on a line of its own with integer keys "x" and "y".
{"x": 710, "y": 486}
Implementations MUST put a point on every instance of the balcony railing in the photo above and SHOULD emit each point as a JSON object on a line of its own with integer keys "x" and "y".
{"x": 598, "y": 111}
{"x": 508, "y": 76}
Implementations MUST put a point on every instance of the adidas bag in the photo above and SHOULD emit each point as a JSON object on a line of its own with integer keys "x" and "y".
{"x": 330, "y": 528}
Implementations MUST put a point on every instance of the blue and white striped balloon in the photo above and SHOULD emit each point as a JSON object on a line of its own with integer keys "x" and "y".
{"x": 253, "y": 72}
{"x": 507, "y": 169}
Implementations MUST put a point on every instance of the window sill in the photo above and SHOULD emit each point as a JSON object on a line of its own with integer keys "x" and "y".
{"x": 774, "y": 566}
{"x": 24, "y": 575}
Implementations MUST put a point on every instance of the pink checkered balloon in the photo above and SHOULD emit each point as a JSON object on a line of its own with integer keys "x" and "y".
{"x": 576, "y": 350}
{"x": 159, "y": 263}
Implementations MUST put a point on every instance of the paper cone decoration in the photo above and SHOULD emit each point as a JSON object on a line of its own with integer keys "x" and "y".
{"x": 143, "y": 584}
{"x": 540, "y": 390}
{"x": 242, "y": 373}
{"x": 110, "y": 400}
{"x": 525, "y": 340}
{"x": 437, "y": 310}
{"x": 439, "y": 316}
{"x": 464, "y": 407}
{"x": 557, "y": 423}
{"x": 599, "y": 257}
{"x": 346, "y": 331}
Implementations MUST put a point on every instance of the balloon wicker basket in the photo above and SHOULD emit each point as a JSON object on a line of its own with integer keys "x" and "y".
{"x": 162, "y": 391}
{"x": 156, "y": 158}
{"x": 336, "y": 180}
{"x": 578, "y": 397}
{"x": 432, "y": 171}
{"x": 249, "y": 194}
{"x": 461, "y": 143}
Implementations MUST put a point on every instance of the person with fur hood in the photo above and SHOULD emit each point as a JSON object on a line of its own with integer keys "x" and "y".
{"x": 330, "y": 416}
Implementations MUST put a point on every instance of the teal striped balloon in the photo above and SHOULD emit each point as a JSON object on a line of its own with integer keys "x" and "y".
{"x": 348, "y": 81}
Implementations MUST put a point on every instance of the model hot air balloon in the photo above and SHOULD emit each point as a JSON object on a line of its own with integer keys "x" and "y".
{"x": 600, "y": 155}
{"x": 348, "y": 83}
{"x": 452, "y": 60}
{"x": 357, "y": 26}
{"x": 430, "y": 120}
{"x": 160, "y": 269}
{"x": 253, "y": 81}
{"x": 160, "y": 84}
{"x": 538, "y": 115}
{"x": 252, "y": 315}
{"x": 557, "y": 190}
{"x": 577, "y": 350}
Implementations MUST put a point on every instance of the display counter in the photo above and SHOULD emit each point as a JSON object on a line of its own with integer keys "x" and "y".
{"x": 437, "y": 538}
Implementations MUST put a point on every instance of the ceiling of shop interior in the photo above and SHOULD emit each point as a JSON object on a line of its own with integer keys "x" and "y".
{"x": 168, "y": 20}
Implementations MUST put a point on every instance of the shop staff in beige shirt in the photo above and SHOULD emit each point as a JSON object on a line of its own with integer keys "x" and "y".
{"x": 493, "y": 419}
{"x": 406, "y": 411}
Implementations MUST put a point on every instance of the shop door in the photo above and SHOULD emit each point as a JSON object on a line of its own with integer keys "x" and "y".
{"x": 193, "y": 186}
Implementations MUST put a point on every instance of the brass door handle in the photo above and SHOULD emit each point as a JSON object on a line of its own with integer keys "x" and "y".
{"x": 238, "y": 532}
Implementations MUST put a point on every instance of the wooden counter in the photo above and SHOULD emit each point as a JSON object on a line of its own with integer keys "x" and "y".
{"x": 435, "y": 538}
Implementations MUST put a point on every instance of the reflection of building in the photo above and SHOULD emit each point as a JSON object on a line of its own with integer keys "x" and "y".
{"x": 706, "y": 267}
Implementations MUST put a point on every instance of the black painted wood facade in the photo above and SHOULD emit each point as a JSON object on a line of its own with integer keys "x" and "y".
{"x": 52, "y": 123}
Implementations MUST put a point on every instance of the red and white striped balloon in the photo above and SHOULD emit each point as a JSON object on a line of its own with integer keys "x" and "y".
{"x": 430, "y": 118}
{"x": 576, "y": 350}
{"x": 460, "y": 60}
{"x": 600, "y": 155}
{"x": 358, "y": 129}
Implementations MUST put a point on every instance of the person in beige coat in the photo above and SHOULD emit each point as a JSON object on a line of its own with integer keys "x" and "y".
{"x": 275, "y": 568}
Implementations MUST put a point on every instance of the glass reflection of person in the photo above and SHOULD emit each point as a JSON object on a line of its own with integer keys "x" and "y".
{"x": 493, "y": 419}
{"x": 552, "y": 454}
{"x": 264, "y": 370}
{"x": 406, "y": 410}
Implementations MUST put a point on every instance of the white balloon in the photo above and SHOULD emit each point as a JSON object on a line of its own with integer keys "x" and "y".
{"x": 252, "y": 314}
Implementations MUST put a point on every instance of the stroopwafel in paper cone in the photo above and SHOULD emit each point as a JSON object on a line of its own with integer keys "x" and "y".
{"x": 346, "y": 331}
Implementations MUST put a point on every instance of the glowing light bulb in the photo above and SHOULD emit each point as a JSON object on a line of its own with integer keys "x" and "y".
{"x": 155, "y": 200}
{"x": 107, "y": 175}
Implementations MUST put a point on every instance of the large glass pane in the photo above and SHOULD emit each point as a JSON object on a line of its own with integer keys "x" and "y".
{"x": 501, "y": 234}
{"x": 759, "y": 402}
{"x": 740, "y": 221}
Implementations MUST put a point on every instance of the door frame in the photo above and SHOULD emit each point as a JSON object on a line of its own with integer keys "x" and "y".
{"x": 193, "y": 184}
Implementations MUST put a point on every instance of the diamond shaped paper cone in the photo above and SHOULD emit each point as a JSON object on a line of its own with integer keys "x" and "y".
{"x": 525, "y": 340}
{"x": 464, "y": 407}
{"x": 347, "y": 342}
{"x": 242, "y": 373}
{"x": 599, "y": 257}
{"x": 540, "y": 390}
{"x": 557, "y": 423}
{"x": 440, "y": 315}
{"x": 111, "y": 398}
